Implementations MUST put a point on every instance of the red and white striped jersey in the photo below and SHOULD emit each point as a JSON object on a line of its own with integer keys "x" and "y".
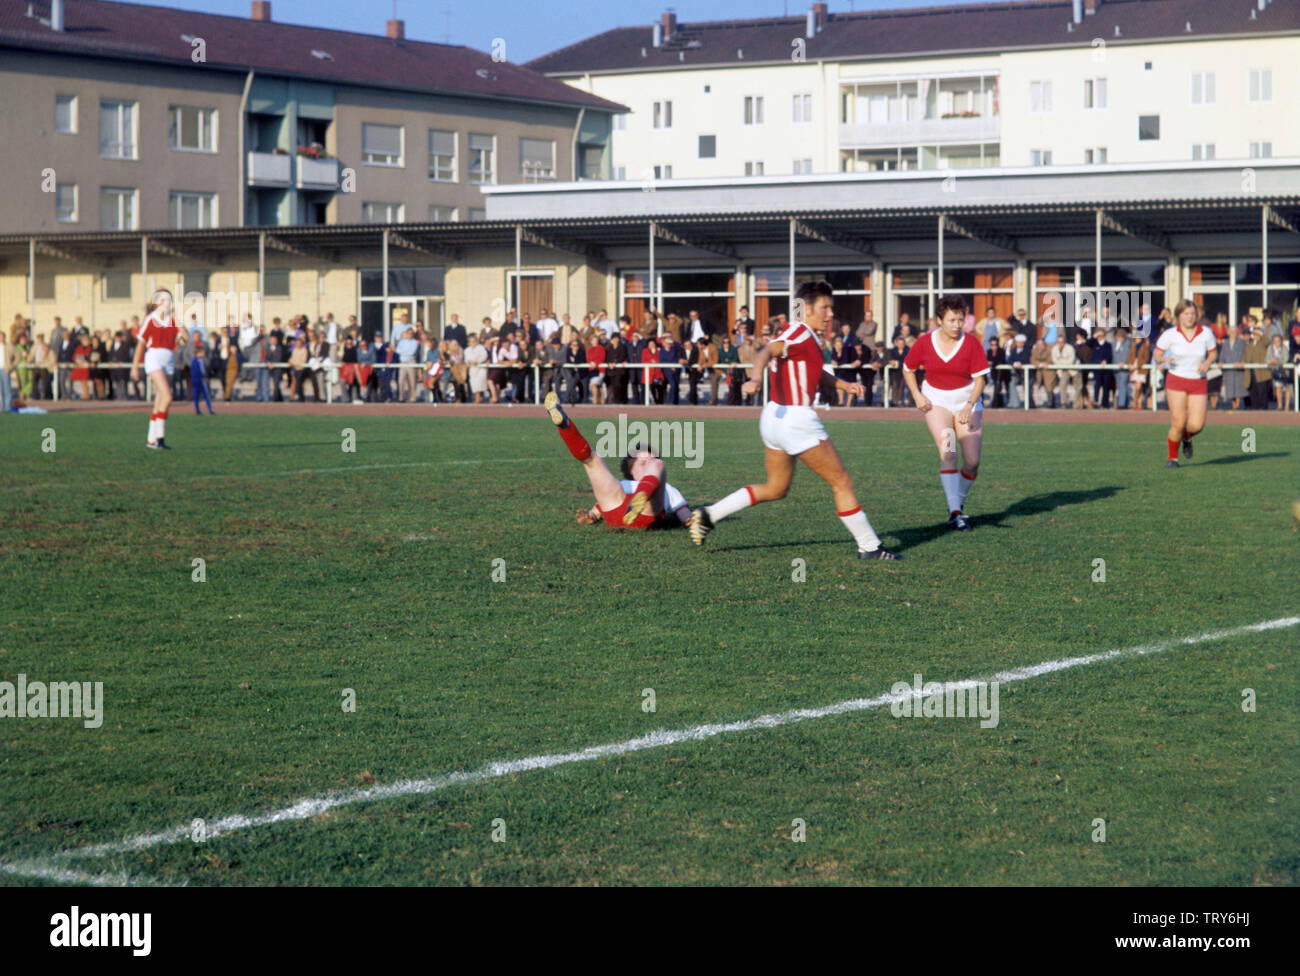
{"x": 793, "y": 378}
{"x": 157, "y": 334}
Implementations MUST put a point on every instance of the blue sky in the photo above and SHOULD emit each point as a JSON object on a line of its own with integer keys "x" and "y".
{"x": 530, "y": 27}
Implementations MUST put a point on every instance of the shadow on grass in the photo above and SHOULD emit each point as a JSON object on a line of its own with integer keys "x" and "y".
{"x": 1238, "y": 458}
{"x": 911, "y": 538}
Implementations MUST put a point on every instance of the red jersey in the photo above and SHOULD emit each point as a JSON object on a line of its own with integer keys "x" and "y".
{"x": 793, "y": 378}
{"x": 596, "y": 354}
{"x": 156, "y": 334}
{"x": 957, "y": 370}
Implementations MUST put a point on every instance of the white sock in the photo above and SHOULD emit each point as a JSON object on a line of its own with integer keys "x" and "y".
{"x": 153, "y": 431}
{"x": 162, "y": 427}
{"x": 730, "y": 505}
{"x": 951, "y": 489}
{"x": 856, "y": 522}
{"x": 965, "y": 484}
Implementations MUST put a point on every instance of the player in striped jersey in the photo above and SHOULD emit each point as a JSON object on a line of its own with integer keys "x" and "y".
{"x": 156, "y": 346}
{"x": 791, "y": 429}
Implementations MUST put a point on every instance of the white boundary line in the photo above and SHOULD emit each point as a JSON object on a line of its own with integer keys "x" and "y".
{"x": 314, "y": 806}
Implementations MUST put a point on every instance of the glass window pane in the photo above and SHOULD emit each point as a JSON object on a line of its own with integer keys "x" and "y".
{"x": 372, "y": 282}
{"x": 696, "y": 282}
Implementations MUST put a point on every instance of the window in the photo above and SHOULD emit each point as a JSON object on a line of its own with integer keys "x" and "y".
{"x": 754, "y": 168}
{"x": 708, "y": 89}
{"x": 537, "y": 159}
{"x": 441, "y": 215}
{"x": 442, "y": 156}
{"x": 662, "y": 115}
{"x": 1260, "y": 86}
{"x": 1094, "y": 93}
{"x": 65, "y": 203}
{"x": 1040, "y": 157}
{"x": 802, "y": 167}
{"x": 43, "y": 288}
{"x": 117, "y": 130}
{"x": 753, "y": 110}
{"x": 620, "y": 122}
{"x": 1148, "y": 128}
{"x": 65, "y": 113}
{"x": 1148, "y": 65}
{"x": 1040, "y": 97}
{"x": 1261, "y": 150}
{"x": 117, "y": 286}
{"x": 188, "y": 211}
{"x": 381, "y": 145}
{"x": 117, "y": 210}
{"x": 708, "y": 147}
{"x": 664, "y": 172}
{"x": 482, "y": 161}
{"x": 801, "y": 109}
{"x": 1097, "y": 155}
{"x": 383, "y": 213}
{"x": 1202, "y": 150}
{"x": 275, "y": 283}
{"x": 477, "y": 213}
{"x": 1202, "y": 87}
{"x": 620, "y": 172}
{"x": 193, "y": 129}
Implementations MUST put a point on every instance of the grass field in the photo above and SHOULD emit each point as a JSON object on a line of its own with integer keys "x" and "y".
{"x": 372, "y": 571}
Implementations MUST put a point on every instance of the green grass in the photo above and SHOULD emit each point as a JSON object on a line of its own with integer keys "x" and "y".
{"x": 372, "y": 571}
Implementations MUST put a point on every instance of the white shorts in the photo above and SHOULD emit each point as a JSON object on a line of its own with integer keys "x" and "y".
{"x": 954, "y": 401}
{"x": 790, "y": 429}
{"x": 155, "y": 359}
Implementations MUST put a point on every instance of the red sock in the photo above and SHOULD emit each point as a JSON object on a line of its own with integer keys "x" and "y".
{"x": 575, "y": 442}
{"x": 649, "y": 484}
{"x": 1173, "y": 449}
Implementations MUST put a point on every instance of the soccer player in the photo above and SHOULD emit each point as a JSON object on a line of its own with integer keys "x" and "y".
{"x": 157, "y": 343}
{"x": 791, "y": 429}
{"x": 643, "y": 499}
{"x": 1187, "y": 350}
{"x": 950, "y": 397}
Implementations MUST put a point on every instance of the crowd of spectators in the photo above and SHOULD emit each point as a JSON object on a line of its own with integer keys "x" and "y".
{"x": 675, "y": 360}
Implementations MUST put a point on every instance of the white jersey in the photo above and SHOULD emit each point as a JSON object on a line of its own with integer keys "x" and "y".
{"x": 673, "y": 499}
{"x": 1186, "y": 354}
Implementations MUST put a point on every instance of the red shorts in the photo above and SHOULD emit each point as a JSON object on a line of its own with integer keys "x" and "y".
{"x": 1173, "y": 382}
{"x": 614, "y": 517}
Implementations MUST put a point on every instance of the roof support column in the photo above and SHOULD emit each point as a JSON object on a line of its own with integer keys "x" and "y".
{"x": 1264, "y": 242}
{"x": 659, "y": 330}
{"x": 383, "y": 320}
{"x": 517, "y": 297}
{"x": 938, "y": 285}
{"x": 793, "y": 318}
{"x": 144, "y": 269}
{"x": 261, "y": 274}
{"x": 1096, "y": 310}
{"x": 31, "y": 282}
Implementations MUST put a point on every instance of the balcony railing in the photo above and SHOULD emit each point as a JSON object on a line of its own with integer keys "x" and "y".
{"x": 317, "y": 174}
{"x": 269, "y": 169}
{"x": 921, "y": 132}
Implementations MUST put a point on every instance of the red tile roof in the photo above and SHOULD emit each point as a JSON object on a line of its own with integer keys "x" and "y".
{"x": 921, "y": 30}
{"x": 98, "y": 28}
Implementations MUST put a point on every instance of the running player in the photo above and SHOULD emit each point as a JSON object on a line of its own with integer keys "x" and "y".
{"x": 156, "y": 346}
{"x": 643, "y": 499}
{"x": 950, "y": 397}
{"x": 791, "y": 429}
{"x": 1188, "y": 350}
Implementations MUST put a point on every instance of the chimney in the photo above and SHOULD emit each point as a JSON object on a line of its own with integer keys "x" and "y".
{"x": 822, "y": 12}
{"x": 56, "y": 15}
{"x": 810, "y": 27}
{"x": 261, "y": 10}
{"x": 658, "y": 37}
{"x": 668, "y": 21}
{"x": 396, "y": 30}
{"x": 1090, "y": 6}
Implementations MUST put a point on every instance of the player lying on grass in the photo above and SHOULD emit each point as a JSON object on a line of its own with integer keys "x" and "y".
{"x": 642, "y": 500}
{"x": 790, "y": 427}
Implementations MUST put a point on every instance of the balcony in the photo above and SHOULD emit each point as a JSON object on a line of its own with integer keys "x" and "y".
{"x": 921, "y": 132}
{"x": 269, "y": 169}
{"x": 317, "y": 174}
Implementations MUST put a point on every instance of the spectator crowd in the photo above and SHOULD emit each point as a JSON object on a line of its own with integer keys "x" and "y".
{"x": 664, "y": 359}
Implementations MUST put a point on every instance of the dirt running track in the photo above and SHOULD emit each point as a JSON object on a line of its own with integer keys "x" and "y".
{"x": 1249, "y": 418}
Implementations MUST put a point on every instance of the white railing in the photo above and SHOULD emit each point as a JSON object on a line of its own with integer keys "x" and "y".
{"x": 269, "y": 169}
{"x": 318, "y": 174}
{"x": 867, "y": 135}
